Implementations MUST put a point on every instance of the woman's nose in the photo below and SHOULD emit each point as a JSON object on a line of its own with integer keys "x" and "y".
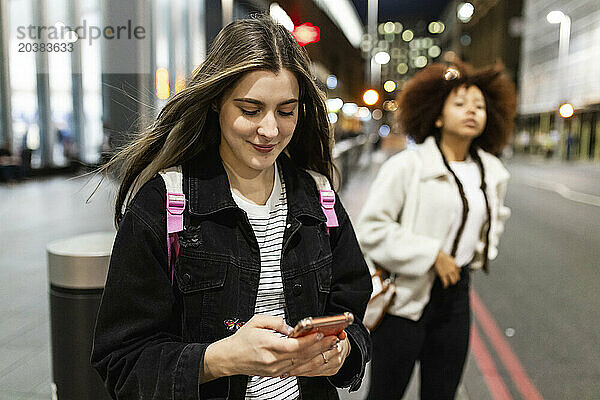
{"x": 268, "y": 126}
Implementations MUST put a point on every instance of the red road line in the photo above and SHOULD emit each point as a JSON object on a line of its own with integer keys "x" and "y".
{"x": 508, "y": 357}
{"x": 487, "y": 367}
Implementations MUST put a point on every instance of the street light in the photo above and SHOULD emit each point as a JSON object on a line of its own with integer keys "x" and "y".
{"x": 566, "y": 110}
{"x": 558, "y": 17}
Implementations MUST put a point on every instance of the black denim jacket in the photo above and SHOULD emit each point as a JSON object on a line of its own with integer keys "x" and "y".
{"x": 151, "y": 336}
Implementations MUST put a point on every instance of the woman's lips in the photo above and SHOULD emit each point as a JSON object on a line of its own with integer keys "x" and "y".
{"x": 470, "y": 123}
{"x": 263, "y": 149}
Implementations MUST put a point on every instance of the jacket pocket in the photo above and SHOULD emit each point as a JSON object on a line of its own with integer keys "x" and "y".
{"x": 200, "y": 273}
{"x": 202, "y": 280}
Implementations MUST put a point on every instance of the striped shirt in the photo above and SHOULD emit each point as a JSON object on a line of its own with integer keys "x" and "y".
{"x": 268, "y": 223}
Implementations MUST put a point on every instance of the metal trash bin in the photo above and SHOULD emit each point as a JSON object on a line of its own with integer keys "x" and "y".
{"x": 77, "y": 269}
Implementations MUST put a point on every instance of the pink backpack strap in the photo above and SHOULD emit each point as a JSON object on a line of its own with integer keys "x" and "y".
{"x": 175, "y": 206}
{"x": 327, "y": 198}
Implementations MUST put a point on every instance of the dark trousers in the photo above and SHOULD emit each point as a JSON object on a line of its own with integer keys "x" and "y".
{"x": 439, "y": 340}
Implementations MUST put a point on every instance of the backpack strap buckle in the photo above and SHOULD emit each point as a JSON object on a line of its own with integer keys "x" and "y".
{"x": 175, "y": 208}
{"x": 327, "y": 197}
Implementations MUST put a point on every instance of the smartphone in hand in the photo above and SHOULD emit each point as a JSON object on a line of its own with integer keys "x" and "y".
{"x": 331, "y": 325}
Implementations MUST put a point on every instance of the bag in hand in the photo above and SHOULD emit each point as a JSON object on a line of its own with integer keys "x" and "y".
{"x": 383, "y": 294}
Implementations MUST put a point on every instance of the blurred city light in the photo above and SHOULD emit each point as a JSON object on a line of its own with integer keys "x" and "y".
{"x": 436, "y": 27}
{"x": 402, "y": 68}
{"x": 334, "y": 105}
{"x": 388, "y": 27}
{"x": 420, "y": 61}
{"x": 306, "y": 33}
{"x": 465, "y": 39}
{"x": 384, "y": 130}
{"x": 450, "y": 56}
{"x": 332, "y": 82}
{"x": 555, "y": 17}
{"x": 377, "y": 114}
{"x": 350, "y": 109}
{"x": 408, "y": 35}
{"x": 434, "y": 51}
{"x": 382, "y": 57}
{"x": 370, "y": 97}
{"x": 279, "y": 15}
{"x": 398, "y": 27}
{"x": 465, "y": 12}
{"x": 364, "y": 114}
{"x": 162, "y": 83}
{"x": 566, "y": 110}
{"x": 332, "y": 118}
{"x": 389, "y": 86}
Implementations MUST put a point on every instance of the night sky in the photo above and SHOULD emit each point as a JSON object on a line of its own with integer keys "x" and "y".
{"x": 401, "y": 10}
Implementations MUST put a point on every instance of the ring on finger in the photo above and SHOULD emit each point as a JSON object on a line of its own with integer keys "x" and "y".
{"x": 325, "y": 361}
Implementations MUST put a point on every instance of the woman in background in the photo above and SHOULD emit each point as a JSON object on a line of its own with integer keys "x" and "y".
{"x": 434, "y": 214}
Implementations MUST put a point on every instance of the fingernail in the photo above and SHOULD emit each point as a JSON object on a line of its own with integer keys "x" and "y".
{"x": 319, "y": 336}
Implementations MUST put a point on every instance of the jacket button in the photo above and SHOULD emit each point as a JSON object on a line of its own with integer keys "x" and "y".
{"x": 187, "y": 278}
{"x": 297, "y": 289}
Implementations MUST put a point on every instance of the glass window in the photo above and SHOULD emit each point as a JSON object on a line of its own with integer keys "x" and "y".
{"x": 22, "y": 67}
{"x": 93, "y": 138}
{"x": 61, "y": 95}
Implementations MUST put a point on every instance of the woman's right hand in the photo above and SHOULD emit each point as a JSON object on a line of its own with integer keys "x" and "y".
{"x": 255, "y": 349}
{"x": 446, "y": 268}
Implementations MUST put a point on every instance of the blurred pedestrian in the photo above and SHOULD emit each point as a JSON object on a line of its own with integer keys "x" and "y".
{"x": 434, "y": 214}
{"x": 257, "y": 252}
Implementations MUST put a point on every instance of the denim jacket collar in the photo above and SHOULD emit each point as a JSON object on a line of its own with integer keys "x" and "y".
{"x": 207, "y": 185}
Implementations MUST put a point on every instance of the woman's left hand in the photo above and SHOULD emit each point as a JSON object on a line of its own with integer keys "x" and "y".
{"x": 327, "y": 363}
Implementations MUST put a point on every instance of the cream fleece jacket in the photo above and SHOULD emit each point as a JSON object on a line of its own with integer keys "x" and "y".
{"x": 408, "y": 215}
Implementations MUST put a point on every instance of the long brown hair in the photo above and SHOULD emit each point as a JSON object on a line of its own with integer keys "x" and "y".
{"x": 421, "y": 101}
{"x": 188, "y": 124}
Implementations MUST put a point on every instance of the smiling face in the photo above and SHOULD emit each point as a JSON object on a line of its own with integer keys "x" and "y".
{"x": 258, "y": 117}
{"x": 464, "y": 113}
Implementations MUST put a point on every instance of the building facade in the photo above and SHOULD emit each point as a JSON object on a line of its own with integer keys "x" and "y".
{"x": 548, "y": 79}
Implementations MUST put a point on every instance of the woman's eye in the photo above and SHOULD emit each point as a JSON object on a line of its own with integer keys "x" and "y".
{"x": 247, "y": 112}
{"x": 286, "y": 114}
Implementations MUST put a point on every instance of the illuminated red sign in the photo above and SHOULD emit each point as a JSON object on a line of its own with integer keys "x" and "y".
{"x": 306, "y": 33}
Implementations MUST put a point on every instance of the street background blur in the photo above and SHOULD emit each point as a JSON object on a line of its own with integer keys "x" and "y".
{"x": 79, "y": 77}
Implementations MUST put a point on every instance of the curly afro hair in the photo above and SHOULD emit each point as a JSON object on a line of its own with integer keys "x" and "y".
{"x": 423, "y": 97}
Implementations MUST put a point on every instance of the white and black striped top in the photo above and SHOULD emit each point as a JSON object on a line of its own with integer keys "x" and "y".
{"x": 268, "y": 223}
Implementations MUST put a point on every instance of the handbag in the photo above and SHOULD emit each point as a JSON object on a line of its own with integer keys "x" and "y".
{"x": 384, "y": 291}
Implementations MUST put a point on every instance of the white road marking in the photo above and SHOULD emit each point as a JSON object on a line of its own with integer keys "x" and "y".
{"x": 563, "y": 191}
